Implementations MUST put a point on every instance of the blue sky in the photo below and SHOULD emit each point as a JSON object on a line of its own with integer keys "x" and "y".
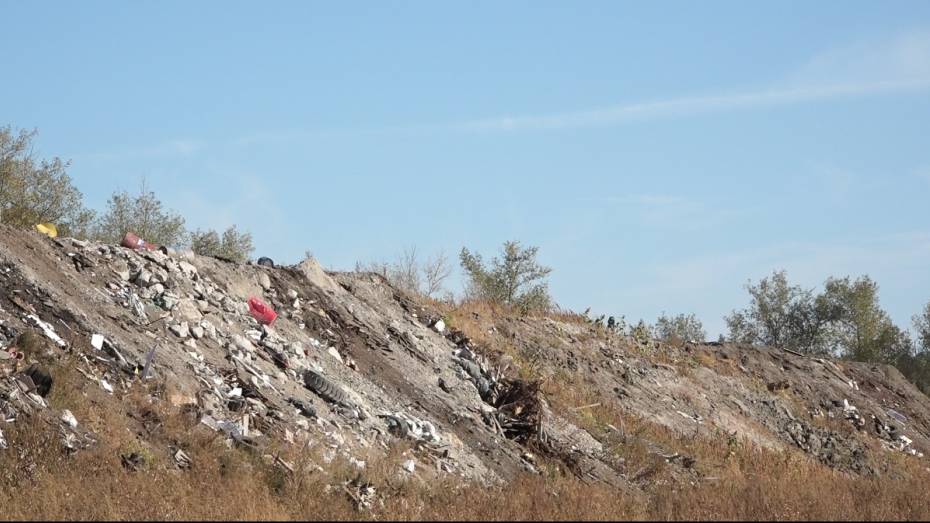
{"x": 660, "y": 154}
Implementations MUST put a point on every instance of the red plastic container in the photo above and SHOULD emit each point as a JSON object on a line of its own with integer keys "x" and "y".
{"x": 131, "y": 241}
{"x": 261, "y": 312}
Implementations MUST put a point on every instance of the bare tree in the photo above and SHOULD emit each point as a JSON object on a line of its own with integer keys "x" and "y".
{"x": 435, "y": 272}
{"x": 407, "y": 273}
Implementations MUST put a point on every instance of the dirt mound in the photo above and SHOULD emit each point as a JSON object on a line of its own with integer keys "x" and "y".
{"x": 355, "y": 365}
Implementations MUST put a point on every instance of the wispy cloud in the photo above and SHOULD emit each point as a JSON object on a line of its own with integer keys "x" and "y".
{"x": 900, "y": 64}
{"x": 683, "y": 106}
{"x": 896, "y": 65}
{"x": 169, "y": 148}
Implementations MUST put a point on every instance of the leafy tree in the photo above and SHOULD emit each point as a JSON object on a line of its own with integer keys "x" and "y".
{"x": 845, "y": 320}
{"x": 922, "y": 326}
{"x": 860, "y": 330}
{"x": 234, "y": 246}
{"x": 516, "y": 279}
{"x": 143, "y": 215}
{"x": 680, "y": 328}
{"x": 916, "y": 368}
{"x": 915, "y": 365}
{"x": 35, "y": 190}
{"x": 781, "y": 315}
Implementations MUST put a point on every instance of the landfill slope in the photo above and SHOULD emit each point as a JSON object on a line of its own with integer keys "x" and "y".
{"x": 354, "y": 364}
{"x": 349, "y": 361}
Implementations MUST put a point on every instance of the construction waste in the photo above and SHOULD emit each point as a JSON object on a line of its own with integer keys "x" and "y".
{"x": 296, "y": 354}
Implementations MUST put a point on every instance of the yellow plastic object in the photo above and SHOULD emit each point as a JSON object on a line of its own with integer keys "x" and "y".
{"x": 48, "y": 228}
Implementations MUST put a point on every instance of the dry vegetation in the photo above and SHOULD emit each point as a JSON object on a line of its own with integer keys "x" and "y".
{"x": 39, "y": 482}
{"x": 727, "y": 479}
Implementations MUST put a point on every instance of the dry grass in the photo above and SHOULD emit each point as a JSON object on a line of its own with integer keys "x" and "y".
{"x": 39, "y": 482}
{"x": 727, "y": 480}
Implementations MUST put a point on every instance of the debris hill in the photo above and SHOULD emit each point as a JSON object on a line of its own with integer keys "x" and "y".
{"x": 354, "y": 365}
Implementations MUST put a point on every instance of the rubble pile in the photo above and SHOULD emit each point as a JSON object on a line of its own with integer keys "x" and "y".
{"x": 832, "y": 410}
{"x": 318, "y": 371}
{"x": 347, "y": 363}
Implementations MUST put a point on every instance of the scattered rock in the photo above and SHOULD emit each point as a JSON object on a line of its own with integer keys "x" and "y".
{"x": 335, "y": 354}
{"x": 187, "y": 269}
{"x": 121, "y": 269}
{"x": 68, "y": 418}
{"x": 181, "y": 330}
{"x": 410, "y": 466}
{"x": 187, "y": 310}
{"x": 144, "y": 278}
{"x": 242, "y": 343}
{"x": 444, "y": 386}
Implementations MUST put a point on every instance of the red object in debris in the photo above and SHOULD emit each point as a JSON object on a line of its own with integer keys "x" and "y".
{"x": 131, "y": 241}
{"x": 261, "y": 312}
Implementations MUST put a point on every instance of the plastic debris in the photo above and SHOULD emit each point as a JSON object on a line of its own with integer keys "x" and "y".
{"x": 897, "y": 415}
{"x": 262, "y": 312}
{"x": 96, "y": 341}
{"x": 47, "y": 330}
{"x": 406, "y": 426}
{"x": 11, "y": 354}
{"x": 136, "y": 305}
{"x": 48, "y": 229}
{"x": 182, "y": 459}
{"x": 148, "y": 363}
